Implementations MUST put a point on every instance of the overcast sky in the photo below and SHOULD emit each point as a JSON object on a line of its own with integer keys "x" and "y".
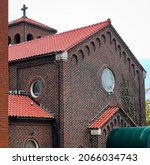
{"x": 131, "y": 19}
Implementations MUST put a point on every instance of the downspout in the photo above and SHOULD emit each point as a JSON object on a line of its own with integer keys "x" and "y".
{"x": 17, "y": 82}
{"x": 59, "y": 57}
{"x": 57, "y": 122}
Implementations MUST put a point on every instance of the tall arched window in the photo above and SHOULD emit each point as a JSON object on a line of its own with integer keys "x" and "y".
{"x": 17, "y": 39}
{"x": 29, "y": 37}
{"x": 9, "y": 40}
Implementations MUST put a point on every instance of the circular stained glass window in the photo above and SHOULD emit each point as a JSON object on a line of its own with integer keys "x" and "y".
{"x": 108, "y": 80}
{"x": 36, "y": 88}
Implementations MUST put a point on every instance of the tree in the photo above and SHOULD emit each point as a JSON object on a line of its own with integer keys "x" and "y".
{"x": 148, "y": 89}
{"x": 147, "y": 104}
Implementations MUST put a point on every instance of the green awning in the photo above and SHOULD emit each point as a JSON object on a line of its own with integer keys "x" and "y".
{"x": 130, "y": 137}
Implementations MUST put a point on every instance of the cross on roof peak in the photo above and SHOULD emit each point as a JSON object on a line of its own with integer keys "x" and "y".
{"x": 24, "y": 11}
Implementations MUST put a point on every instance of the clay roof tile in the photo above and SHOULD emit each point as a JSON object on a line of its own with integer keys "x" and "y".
{"x": 54, "y": 43}
{"x": 23, "y": 106}
{"x": 104, "y": 118}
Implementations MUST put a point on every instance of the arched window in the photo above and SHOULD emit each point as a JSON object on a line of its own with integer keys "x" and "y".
{"x": 98, "y": 42}
{"x": 9, "y": 40}
{"x": 17, "y": 39}
{"x": 92, "y": 45}
{"x": 114, "y": 42}
{"x": 105, "y": 133}
{"x": 128, "y": 63}
{"x": 87, "y": 50}
{"x": 29, "y": 37}
{"x": 103, "y": 38}
{"x": 124, "y": 56}
{"x": 108, "y": 129}
{"x": 30, "y": 144}
{"x": 81, "y": 54}
{"x": 133, "y": 69}
{"x": 115, "y": 122}
{"x": 74, "y": 59}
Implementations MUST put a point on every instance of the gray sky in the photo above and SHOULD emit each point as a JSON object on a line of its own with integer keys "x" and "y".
{"x": 131, "y": 18}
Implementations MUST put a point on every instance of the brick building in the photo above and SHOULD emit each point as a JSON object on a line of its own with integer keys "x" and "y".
{"x": 3, "y": 73}
{"x": 25, "y": 29}
{"x": 86, "y": 80}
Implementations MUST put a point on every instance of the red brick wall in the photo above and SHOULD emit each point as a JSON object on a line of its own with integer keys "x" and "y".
{"x": 22, "y": 130}
{"x": 39, "y": 69}
{"x": 3, "y": 73}
{"x": 83, "y": 94}
{"x": 23, "y": 74}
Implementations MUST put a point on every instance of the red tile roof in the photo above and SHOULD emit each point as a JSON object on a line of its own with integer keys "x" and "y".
{"x": 30, "y": 21}
{"x": 54, "y": 43}
{"x": 23, "y": 106}
{"x": 105, "y": 117}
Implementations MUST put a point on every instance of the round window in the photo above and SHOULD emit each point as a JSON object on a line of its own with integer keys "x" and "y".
{"x": 108, "y": 80}
{"x": 30, "y": 144}
{"x": 36, "y": 88}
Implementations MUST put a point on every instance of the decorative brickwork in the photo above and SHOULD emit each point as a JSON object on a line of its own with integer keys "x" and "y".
{"x": 3, "y": 73}
{"x": 83, "y": 93}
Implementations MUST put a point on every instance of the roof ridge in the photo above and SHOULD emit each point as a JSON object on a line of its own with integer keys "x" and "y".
{"x": 12, "y": 94}
{"x": 59, "y": 42}
{"x": 31, "y": 21}
{"x": 87, "y": 26}
{"x": 61, "y": 33}
{"x": 103, "y": 116}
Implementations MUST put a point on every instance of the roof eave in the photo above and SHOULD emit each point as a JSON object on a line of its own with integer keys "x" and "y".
{"x": 31, "y": 118}
{"x": 126, "y": 47}
{"x": 24, "y": 21}
{"x": 34, "y": 57}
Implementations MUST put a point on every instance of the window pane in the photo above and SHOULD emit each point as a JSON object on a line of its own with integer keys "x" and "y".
{"x": 108, "y": 80}
{"x": 30, "y": 144}
{"x": 36, "y": 88}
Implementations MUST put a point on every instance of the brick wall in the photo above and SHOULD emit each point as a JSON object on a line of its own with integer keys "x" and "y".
{"x": 3, "y": 73}
{"x": 23, "y": 74}
{"x": 24, "y": 29}
{"x": 83, "y": 93}
{"x": 23, "y": 130}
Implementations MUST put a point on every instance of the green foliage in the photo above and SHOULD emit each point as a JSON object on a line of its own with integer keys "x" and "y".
{"x": 126, "y": 98}
{"x": 147, "y": 105}
{"x": 147, "y": 112}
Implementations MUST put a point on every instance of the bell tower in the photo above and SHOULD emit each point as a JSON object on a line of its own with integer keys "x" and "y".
{"x": 3, "y": 73}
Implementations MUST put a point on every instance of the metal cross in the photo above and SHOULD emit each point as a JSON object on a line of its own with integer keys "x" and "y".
{"x": 24, "y": 11}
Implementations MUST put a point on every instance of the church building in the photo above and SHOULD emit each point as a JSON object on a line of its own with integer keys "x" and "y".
{"x": 71, "y": 89}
